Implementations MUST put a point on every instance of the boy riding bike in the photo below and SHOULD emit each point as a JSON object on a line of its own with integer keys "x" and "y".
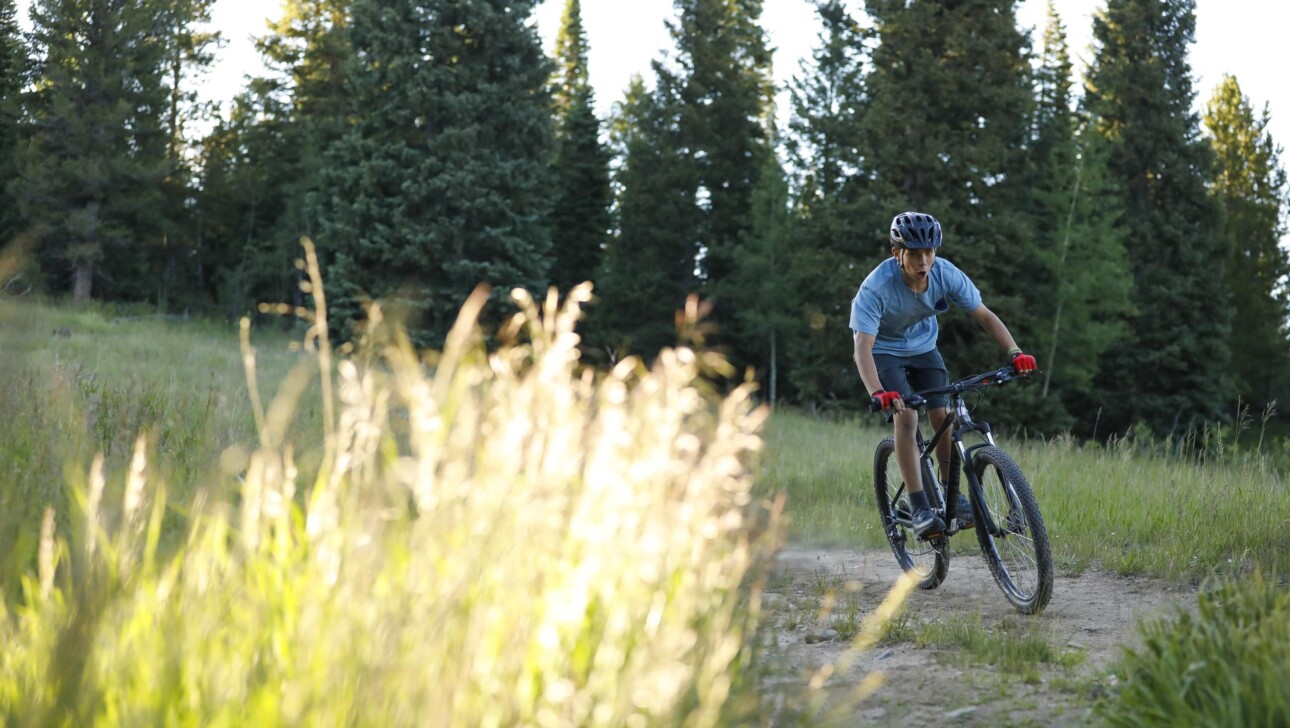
{"x": 893, "y": 320}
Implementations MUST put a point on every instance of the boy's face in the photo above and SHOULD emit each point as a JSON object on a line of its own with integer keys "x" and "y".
{"x": 916, "y": 264}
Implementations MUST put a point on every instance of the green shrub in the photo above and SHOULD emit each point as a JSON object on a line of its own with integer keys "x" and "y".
{"x": 1228, "y": 664}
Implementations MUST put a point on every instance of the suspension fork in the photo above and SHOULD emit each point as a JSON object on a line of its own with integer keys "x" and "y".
{"x": 964, "y": 455}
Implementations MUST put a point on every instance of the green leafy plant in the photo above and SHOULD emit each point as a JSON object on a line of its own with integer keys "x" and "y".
{"x": 1226, "y": 664}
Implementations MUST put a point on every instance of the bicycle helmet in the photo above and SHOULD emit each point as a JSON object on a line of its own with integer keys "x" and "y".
{"x": 915, "y": 230}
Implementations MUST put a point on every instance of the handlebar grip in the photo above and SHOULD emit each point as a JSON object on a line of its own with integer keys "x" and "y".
{"x": 911, "y": 402}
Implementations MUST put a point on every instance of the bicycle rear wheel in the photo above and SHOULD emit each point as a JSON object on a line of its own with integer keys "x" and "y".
{"x": 926, "y": 561}
{"x": 1017, "y": 551}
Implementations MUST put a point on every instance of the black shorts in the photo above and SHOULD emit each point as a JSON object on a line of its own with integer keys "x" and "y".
{"x": 910, "y": 374}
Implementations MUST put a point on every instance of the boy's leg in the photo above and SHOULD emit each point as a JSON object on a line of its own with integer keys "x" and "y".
{"x": 963, "y": 511}
{"x": 893, "y": 374}
{"x": 923, "y": 372}
{"x": 907, "y": 449}
{"x": 927, "y": 371}
{"x": 926, "y": 521}
{"x": 937, "y": 417}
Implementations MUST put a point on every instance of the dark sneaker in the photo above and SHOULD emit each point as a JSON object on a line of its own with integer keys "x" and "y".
{"x": 902, "y": 510}
{"x": 927, "y": 523}
{"x": 964, "y": 513}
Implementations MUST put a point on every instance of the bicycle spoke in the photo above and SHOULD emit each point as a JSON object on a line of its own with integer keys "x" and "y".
{"x": 1024, "y": 554}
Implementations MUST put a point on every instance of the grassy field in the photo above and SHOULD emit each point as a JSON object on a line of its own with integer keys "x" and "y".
{"x": 77, "y": 383}
{"x": 477, "y": 474}
{"x": 74, "y": 384}
{"x": 1125, "y": 508}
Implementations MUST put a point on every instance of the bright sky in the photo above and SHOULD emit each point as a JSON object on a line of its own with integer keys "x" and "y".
{"x": 1241, "y": 37}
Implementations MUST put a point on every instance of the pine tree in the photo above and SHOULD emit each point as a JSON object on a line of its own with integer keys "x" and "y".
{"x": 288, "y": 119}
{"x": 694, "y": 151}
{"x": 945, "y": 133}
{"x": 13, "y": 75}
{"x": 649, "y": 264}
{"x": 762, "y": 290}
{"x": 832, "y": 250}
{"x": 719, "y": 87}
{"x": 1251, "y": 188}
{"x": 309, "y": 46}
{"x": 724, "y": 86}
{"x": 95, "y": 154}
{"x": 1173, "y": 372}
{"x": 310, "y": 50}
{"x": 1081, "y": 269}
{"x": 187, "y": 56}
{"x": 443, "y": 184}
{"x": 580, "y": 218}
{"x": 827, "y": 100}
{"x": 1054, "y": 123}
{"x": 248, "y": 160}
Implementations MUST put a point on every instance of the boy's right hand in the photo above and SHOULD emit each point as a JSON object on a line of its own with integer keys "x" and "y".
{"x": 883, "y": 399}
{"x": 1023, "y": 362}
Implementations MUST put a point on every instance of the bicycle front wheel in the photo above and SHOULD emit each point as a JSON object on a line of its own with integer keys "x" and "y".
{"x": 926, "y": 561}
{"x": 1016, "y": 547}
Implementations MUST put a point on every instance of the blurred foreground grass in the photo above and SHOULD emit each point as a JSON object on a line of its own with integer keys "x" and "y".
{"x": 503, "y": 540}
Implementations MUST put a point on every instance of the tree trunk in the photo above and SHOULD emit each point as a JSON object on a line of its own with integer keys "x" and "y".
{"x": 774, "y": 371}
{"x": 82, "y": 280}
{"x": 1051, "y": 364}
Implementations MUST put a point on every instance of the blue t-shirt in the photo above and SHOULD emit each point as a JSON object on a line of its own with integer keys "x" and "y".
{"x": 902, "y": 322}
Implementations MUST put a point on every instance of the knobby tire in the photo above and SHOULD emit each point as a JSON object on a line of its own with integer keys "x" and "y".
{"x": 1019, "y": 555}
{"x": 926, "y": 561}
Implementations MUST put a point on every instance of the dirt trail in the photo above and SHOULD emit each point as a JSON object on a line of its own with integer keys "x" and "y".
{"x": 1094, "y": 611}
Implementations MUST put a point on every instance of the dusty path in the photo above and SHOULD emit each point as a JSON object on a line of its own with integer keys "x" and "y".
{"x": 1092, "y": 613}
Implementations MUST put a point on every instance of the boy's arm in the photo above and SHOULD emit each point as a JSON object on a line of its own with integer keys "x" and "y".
{"x": 995, "y": 328}
{"x": 868, "y": 370}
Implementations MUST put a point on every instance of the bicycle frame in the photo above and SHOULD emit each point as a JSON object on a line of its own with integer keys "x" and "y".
{"x": 1006, "y": 517}
{"x": 958, "y": 422}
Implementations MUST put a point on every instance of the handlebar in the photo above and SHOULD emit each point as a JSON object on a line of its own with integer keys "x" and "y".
{"x": 995, "y": 377}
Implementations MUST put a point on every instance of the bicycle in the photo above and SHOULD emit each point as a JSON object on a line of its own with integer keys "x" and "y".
{"x": 1008, "y": 524}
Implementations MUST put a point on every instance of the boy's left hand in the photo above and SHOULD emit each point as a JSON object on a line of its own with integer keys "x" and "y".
{"x": 1023, "y": 362}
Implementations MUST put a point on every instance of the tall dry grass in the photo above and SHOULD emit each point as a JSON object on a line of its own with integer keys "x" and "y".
{"x": 493, "y": 538}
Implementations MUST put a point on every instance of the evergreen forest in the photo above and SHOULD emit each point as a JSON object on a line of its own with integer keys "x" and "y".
{"x": 1131, "y": 243}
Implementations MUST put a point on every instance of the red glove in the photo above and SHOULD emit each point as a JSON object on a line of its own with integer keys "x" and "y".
{"x": 1023, "y": 362}
{"x": 884, "y": 399}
